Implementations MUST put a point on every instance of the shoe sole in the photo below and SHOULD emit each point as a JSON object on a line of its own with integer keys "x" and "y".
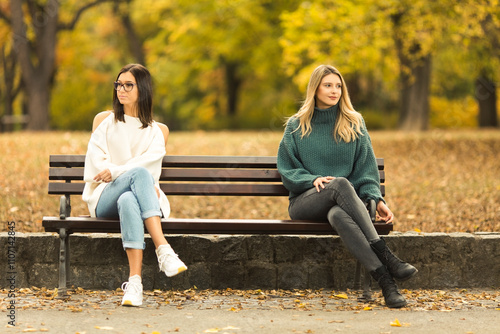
{"x": 129, "y": 303}
{"x": 180, "y": 270}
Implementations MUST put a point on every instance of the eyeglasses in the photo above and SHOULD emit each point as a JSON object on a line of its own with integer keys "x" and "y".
{"x": 128, "y": 86}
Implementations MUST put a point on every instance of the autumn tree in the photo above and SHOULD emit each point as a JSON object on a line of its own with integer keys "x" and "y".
{"x": 34, "y": 26}
{"x": 217, "y": 49}
{"x": 351, "y": 36}
{"x": 374, "y": 36}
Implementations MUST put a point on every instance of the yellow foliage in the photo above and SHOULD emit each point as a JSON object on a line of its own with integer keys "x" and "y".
{"x": 446, "y": 113}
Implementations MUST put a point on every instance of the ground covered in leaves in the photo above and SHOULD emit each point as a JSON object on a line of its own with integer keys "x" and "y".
{"x": 251, "y": 311}
{"x": 78, "y": 300}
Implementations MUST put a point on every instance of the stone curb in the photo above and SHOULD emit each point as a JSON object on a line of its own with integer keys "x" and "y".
{"x": 444, "y": 260}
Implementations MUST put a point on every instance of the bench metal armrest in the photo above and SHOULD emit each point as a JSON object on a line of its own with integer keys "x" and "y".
{"x": 371, "y": 206}
{"x": 64, "y": 207}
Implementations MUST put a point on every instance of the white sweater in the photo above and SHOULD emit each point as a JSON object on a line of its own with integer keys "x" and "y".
{"x": 119, "y": 147}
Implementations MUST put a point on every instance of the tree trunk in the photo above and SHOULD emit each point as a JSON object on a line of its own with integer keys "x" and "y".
{"x": 487, "y": 99}
{"x": 9, "y": 65}
{"x": 415, "y": 86}
{"x": 233, "y": 83}
{"x": 38, "y": 106}
{"x": 415, "y": 76}
{"x": 36, "y": 59}
{"x": 135, "y": 43}
{"x": 36, "y": 56}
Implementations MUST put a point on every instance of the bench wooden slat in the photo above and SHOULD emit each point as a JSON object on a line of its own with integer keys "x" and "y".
{"x": 199, "y": 161}
{"x": 191, "y": 161}
{"x": 221, "y": 175}
{"x": 204, "y": 226}
{"x": 193, "y": 189}
{"x": 176, "y": 174}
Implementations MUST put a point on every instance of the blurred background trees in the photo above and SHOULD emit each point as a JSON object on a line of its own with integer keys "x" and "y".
{"x": 238, "y": 64}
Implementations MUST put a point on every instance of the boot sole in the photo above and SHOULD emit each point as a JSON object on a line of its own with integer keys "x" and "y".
{"x": 399, "y": 305}
{"x": 407, "y": 277}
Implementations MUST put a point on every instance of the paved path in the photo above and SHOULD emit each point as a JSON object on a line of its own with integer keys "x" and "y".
{"x": 86, "y": 311}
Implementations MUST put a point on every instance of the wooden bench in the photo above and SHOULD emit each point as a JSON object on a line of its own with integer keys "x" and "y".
{"x": 195, "y": 176}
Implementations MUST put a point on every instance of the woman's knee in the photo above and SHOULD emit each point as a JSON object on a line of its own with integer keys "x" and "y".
{"x": 336, "y": 214}
{"x": 339, "y": 183}
{"x": 127, "y": 201}
{"x": 141, "y": 172}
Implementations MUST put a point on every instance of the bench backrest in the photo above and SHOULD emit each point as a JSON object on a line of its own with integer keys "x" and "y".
{"x": 192, "y": 175}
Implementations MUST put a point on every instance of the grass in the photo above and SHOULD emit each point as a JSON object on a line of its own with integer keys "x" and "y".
{"x": 437, "y": 181}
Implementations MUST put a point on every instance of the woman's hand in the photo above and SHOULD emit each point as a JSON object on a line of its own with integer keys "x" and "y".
{"x": 320, "y": 180}
{"x": 104, "y": 176}
{"x": 384, "y": 213}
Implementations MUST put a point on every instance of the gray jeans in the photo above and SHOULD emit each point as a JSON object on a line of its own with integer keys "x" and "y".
{"x": 340, "y": 205}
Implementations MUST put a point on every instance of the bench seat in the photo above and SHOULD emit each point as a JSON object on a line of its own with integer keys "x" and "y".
{"x": 203, "y": 226}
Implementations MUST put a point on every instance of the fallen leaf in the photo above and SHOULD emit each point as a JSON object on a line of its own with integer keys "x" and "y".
{"x": 341, "y": 296}
{"x": 396, "y": 323}
{"x": 106, "y": 328}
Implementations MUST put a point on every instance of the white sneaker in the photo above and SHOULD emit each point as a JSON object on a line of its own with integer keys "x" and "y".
{"x": 168, "y": 261}
{"x": 133, "y": 291}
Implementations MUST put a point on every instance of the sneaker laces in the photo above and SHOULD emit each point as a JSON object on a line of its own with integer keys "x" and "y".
{"x": 134, "y": 287}
{"x": 163, "y": 258}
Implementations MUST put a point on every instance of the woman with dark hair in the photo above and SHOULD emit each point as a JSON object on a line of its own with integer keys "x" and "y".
{"x": 122, "y": 171}
{"x": 327, "y": 163}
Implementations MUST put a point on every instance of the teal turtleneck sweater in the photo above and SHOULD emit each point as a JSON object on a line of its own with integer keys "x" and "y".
{"x": 303, "y": 160}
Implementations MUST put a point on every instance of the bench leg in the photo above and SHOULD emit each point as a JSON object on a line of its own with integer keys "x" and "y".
{"x": 64, "y": 262}
{"x": 367, "y": 282}
{"x": 357, "y": 276}
{"x": 367, "y": 286}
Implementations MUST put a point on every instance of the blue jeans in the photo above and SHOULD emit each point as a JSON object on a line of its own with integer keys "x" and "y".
{"x": 340, "y": 205}
{"x": 132, "y": 198}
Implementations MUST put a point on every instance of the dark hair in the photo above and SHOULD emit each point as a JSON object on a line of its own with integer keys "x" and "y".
{"x": 145, "y": 95}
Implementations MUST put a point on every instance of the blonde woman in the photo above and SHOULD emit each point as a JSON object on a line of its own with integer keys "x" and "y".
{"x": 327, "y": 163}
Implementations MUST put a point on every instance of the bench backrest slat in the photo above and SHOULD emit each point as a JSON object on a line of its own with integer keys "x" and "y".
{"x": 193, "y": 161}
{"x": 192, "y": 175}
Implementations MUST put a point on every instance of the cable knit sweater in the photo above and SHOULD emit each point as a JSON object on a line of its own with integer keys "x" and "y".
{"x": 303, "y": 160}
{"x": 119, "y": 147}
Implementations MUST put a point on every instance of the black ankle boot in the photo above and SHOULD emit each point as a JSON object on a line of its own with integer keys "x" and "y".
{"x": 399, "y": 270}
{"x": 389, "y": 288}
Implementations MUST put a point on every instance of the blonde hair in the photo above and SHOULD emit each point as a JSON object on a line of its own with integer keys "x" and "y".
{"x": 349, "y": 122}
